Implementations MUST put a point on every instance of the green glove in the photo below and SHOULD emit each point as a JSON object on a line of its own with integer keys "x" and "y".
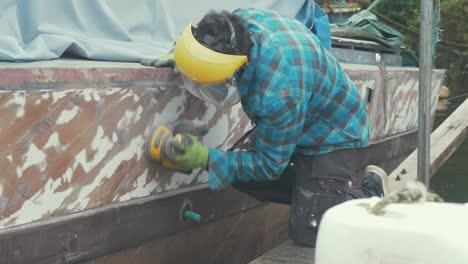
{"x": 166, "y": 60}
{"x": 191, "y": 153}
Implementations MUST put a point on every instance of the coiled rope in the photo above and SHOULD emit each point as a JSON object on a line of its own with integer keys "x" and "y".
{"x": 414, "y": 193}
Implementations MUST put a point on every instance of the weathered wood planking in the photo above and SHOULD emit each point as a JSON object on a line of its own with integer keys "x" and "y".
{"x": 289, "y": 253}
{"x": 393, "y": 94}
{"x": 71, "y": 138}
{"x": 444, "y": 141}
{"x": 69, "y": 148}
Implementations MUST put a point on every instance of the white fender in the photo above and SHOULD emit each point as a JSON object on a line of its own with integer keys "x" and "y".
{"x": 417, "y": 233}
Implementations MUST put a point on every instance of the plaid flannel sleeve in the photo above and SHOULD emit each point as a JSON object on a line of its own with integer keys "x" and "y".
{"x": 278, "y": 131}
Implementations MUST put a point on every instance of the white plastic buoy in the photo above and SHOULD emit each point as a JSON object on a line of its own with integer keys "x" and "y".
{"x": 415, "y": 233}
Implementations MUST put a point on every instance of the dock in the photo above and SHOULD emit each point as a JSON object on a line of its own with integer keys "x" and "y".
{"x": 444, "y": 141}
{"x": 287, "y": 252}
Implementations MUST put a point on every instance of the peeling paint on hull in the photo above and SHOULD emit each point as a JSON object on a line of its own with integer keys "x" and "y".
{"x": 76, "y": 141}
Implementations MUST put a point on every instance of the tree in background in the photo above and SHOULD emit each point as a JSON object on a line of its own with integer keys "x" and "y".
{"x": 452, "y": 51}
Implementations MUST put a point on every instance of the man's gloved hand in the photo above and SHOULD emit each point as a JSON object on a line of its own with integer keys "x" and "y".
{"x": 166, "y": 60}
{"x": 189, "y": 153}
{"x": 161, "y": 143}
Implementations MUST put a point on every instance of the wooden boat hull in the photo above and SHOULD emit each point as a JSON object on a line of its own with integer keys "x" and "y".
{"x": 76, "y": 186}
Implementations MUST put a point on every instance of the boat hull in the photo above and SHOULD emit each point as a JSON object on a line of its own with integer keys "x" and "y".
{"x": 76, "y": 186}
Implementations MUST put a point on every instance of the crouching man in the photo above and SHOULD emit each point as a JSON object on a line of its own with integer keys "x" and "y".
{"x": 310, "y": 120}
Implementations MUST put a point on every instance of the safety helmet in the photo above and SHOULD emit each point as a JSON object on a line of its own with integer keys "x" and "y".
{"x": 207, "y": 74}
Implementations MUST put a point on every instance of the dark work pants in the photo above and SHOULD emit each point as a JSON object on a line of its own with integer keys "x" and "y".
{"x": 310, "y": 185}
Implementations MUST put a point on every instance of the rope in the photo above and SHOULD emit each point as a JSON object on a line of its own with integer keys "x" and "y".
{"x": 415, "y": 192}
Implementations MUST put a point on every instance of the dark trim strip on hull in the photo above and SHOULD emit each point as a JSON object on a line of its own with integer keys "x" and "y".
{"x": 234, "y": 239}
{"x": 92, "y": 233}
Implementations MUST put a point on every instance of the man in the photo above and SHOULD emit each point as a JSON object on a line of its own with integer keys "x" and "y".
{"x": 310, "y": 121}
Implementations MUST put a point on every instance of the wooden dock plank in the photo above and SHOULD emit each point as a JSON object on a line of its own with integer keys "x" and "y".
{"x": 288, "y": 252}
{"x": 444, "y": 141}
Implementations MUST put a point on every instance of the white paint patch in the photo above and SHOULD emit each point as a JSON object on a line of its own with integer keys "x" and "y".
{"x": 87, "y": 97}
{"x": 236, "y": 115}
{"x": 43, "y": 202}
{"x": 1, "y": 190}
{"x": 230, "y": 138}
{"x": 38, "y": 101}
{"x": 129, "y": 118}
{"x": 48, "y": 74}
{"x": 126, "y": 93}
{"x": 45, "y": 96}
{"x": 91, "y": 94}
{"x": 53, "y": 141}
{"x": 96, "y": 96}
{"x": 217, "y": 133}
{"x": 9, "y": 158}
{"x": 111, "y": 91}
{"x": 60, "y": 94}
{"x": 366, "y": 84}
{"x": 171, "y": 111}
{"x": 34, "y": 157}
{"x": 125, "y": 120}
{"x": 435, "y": 95}
{"x": 111, "y": 166}
{"x": 67, "y": 115}
{"x": 19, "y": 99}
{"x": 202, "y": 178}
{"x": 101, "y": 144}
{"x": 141, "y": 180}
{"x": 115, "y": 137}
{"x": 210, "y": 112}
{"x": 67, "y": 176}
{"x": 141, "y": 188}
{"x": 139, "y": 111}
{"x": 404, "y": 115}
{"x": 177, "y": 179}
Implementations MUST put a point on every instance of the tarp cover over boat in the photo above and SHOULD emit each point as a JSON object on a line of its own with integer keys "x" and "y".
{"x": 366, "y": 26}
{"x": 117, "y": 30}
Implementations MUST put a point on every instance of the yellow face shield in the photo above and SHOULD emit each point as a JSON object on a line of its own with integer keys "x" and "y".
{"x": 207, "y": 74}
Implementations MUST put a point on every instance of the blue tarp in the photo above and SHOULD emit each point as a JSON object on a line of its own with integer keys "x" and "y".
{"x": 115, "y": 30}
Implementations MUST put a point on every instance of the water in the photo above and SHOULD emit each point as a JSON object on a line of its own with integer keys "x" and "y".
{"x": 451, "y": 181}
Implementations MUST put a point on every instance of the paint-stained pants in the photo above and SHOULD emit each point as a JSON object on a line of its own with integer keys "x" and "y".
{"x": 311, "y": 185}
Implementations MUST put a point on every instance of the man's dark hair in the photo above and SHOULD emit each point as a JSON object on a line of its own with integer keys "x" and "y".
{"x": 215, "y": 31}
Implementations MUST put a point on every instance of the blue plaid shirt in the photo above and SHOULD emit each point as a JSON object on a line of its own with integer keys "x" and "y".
{"x": 297, "y": 95}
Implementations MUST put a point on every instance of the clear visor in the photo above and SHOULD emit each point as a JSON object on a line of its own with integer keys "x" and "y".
{"x": 222, "y": 94}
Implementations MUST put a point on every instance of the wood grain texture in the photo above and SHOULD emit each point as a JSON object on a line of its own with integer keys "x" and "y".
{"x": 73, "y": 138}
{"x": 287, "y": 252}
